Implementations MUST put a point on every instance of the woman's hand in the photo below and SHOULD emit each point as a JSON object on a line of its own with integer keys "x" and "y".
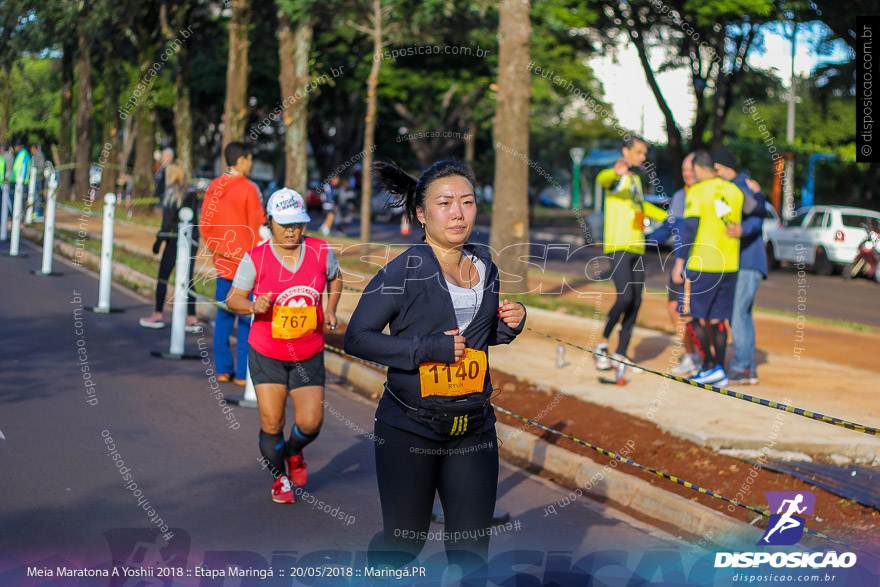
{"x": 459, "y": 343}
{"x": 262, "y": 304}
{"x": 330, "y": 321}
{"x": 512, "y": 314}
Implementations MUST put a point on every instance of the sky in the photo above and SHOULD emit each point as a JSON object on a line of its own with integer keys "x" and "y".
{"x": 628, "y": 92}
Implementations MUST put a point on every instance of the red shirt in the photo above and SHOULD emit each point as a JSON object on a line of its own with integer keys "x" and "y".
{"x": 232, "y": 214}
{"x": 300, "y": 290}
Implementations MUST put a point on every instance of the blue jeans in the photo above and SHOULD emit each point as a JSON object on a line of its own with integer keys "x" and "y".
{"x": 223, "y": 330}
{"x": 742, "y": 324}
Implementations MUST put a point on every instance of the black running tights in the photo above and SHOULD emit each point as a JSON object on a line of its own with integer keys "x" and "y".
{"x": 628, "y": 273}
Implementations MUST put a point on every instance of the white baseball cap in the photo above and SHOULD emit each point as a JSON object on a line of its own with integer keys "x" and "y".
{"x": 286, "y": 206}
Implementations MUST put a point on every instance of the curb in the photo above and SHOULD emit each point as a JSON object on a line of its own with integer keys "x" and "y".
{"x": 576, "y": 471}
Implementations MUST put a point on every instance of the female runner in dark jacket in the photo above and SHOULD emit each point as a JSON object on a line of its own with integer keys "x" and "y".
{"x": 440, "y": 300}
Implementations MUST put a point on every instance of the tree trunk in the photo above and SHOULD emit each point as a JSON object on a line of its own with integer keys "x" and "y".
{"x": 294, "y": 47}
{"x": 145, "y": 144}
{"x": 143, "y": 172}
{"x": 235, "y": 108}
{"x": 83, "y": 115}
{"x": 510, "y": 221}
{"x": 370, "y": 126}
{"x": 183, "y": 122}
{"x": 111, "y": 115}
{"x": 64, "y": 128}
{"x": 470, "y": 141}
{"x": 5, "y": 99}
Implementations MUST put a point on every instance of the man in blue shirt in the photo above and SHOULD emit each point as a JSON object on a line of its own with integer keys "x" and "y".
{"x": 752, "y": 269}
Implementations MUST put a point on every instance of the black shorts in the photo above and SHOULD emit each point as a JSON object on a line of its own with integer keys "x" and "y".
{"x": 293, "y": 374}
{"x": 708, "y": 295}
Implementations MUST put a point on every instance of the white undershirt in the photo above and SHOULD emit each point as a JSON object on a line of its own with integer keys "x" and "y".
{"x": 467, "y": 301}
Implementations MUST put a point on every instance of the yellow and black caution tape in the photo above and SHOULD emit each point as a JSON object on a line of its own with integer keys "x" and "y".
{"x": 623, "y": 459}
{"x": 742, "y": 396}
{"x": 735, "y": 394}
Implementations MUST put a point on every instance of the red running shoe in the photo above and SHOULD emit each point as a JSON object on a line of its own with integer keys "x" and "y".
{"x": 296, "y": 468}
{"x": 282, "y": 492}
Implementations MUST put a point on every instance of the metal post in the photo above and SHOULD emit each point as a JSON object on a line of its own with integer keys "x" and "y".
{"x": 788, "y": 184}
{"x": 177, "y": 349}
{"x": 4, "y": 214}
{"x": 49, "y": 228}
{"x": 106, "y": 277}
{"x": 15, "y": 238}
{"x": 31, "y": 200}
{"x": 577, "y": 155}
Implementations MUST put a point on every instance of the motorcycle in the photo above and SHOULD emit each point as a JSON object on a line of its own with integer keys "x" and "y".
{"x": 867, "y": 261}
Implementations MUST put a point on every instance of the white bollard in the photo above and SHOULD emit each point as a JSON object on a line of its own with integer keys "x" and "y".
{"x": 105, "y": 280}
{"x": 31, "y": 201}
{"x": 181, "y": 287}
{"x": 249, "y": 399}
{"x": 49, "y": 228}
{"x": 4, "y": 214}
{"x": 250, "y": 394}
{"x": 15, "y": 238}
{"x": 181, "y": 290}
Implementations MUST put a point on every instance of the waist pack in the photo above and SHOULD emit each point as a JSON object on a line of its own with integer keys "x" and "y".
{"x": 451, "y": 418}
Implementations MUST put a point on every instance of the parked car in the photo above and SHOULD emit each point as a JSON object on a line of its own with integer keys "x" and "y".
{"x": 824, "y": 237}
{"x": 771, "y": 221}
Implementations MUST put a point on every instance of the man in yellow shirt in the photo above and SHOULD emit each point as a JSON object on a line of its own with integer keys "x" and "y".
{"x": 707, "y": 263}
{"x": 624, "y": 241}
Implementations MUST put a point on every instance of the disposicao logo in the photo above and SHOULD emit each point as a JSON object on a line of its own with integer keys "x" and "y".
{"x": 785, "y": 528}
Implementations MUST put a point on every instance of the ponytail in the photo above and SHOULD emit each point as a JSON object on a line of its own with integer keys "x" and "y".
{"x": 399, "y": 183}
{"x": 411, "y": 192}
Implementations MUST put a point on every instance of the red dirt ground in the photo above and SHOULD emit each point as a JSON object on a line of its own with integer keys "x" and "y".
{"x": 838, "y": 518}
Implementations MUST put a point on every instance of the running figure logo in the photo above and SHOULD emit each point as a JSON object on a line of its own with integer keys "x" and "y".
{"x": 786, "y": 526}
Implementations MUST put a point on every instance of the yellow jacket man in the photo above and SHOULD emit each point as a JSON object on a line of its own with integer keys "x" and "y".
{"x": 624, "y": 241}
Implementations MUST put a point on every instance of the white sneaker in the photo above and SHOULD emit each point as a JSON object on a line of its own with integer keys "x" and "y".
{"x": 630, "y": 364}
{"x": 698, "y": 361}
{"x": 685, "y": 367}
{"x": 601, "y": 357}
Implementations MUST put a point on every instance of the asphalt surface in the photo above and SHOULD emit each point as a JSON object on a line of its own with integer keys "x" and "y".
{"x": 201, "y": 507}
{"x": 828, "y": 297}
{"x": 66, "y": 503}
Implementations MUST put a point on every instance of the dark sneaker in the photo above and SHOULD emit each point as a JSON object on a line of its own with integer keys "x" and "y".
{"x": 747, "y": 377}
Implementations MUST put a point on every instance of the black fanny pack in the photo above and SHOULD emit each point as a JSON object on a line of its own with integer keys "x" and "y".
{"x": 451, "y": 419}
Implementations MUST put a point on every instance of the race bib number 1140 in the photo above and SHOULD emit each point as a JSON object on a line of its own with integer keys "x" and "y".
{"x": 467, "y": 375}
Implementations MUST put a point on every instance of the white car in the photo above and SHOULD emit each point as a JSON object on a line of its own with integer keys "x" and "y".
{"x": 821, "y": 236}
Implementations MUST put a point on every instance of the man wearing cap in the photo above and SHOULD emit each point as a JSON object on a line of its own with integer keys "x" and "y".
{"x": 752, "y": 269}
{"x": 231, "y": 218}
{"x": 287, "y": 277}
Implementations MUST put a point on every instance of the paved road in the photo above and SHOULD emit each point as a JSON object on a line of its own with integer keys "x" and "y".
{"x": 65, "y": 503}
{"x": 827, "y": 297}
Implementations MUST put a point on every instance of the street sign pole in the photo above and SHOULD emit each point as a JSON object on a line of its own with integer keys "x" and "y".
{"x": 577, "y": 155}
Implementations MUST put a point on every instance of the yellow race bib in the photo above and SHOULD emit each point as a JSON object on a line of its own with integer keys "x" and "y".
{"x": 293, "y": 321}
{"x": 639, "y": 221}
{"x": 467, "y": 375}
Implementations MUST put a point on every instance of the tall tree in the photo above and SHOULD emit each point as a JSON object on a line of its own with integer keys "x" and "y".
{"x": 510, "y": 219}
{"x": 183, "y": 120}
{"x": 83, "y": 101}
{"x": 378, "y": 20}
{"x": 110, "y": 128}
{"x": 235, "y": 109}
{"x": 65, "y": 131}
{"x": 144, "y": 116}
{"x": 294, "y": 45}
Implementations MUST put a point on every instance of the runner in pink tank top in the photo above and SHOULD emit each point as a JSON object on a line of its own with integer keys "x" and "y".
{"x": 288, "y": 275}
